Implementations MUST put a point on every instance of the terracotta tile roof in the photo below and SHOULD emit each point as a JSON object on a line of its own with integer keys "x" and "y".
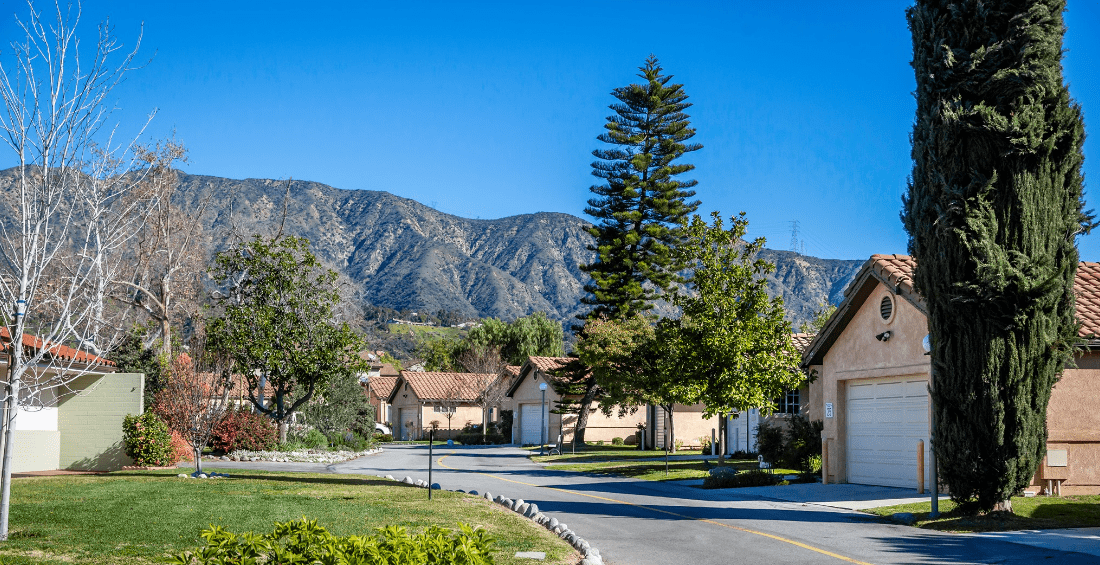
{"x": 388, "y": 370}
{"x": 431, "y": 386}
{"x": 512, "y": 370}
{"x": 382, "y": 386}
{"x": 897, "y": 271}
{"x": 240, "y": 388}
{"x": 56, "y": 351}
{"x": 546, "y": 364}
{"x": 802, "y": 341}
{"x": 1086, "y": 288}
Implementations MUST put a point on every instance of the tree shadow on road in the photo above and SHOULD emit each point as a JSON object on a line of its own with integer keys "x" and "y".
{"x": 953, "y": 548}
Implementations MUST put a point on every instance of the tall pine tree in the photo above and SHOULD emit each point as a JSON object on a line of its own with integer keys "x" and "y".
{"x": 640, "y": 206}
{"x": 993, "y": 209}
{"x": 638, "y": 210}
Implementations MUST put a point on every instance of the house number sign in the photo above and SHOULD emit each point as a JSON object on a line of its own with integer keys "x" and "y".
{"x": 828, "y": 409}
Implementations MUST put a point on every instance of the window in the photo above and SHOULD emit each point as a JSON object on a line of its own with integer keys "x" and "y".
{"x": 443, "y": 409}
{"x": 789, "y": 403}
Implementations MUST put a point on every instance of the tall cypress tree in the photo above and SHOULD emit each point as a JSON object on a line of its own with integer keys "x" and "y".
{"x": 640, "y": 206}
{"x": 993, "y": 209}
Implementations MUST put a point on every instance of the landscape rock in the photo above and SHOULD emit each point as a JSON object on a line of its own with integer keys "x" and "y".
{"x": 390, "y": 477}
{"x": 903, "y": 518}
{"x": 407, "y": 480}
{"x": 182, "y": 475}
{"x": 553, "y": 523}
{"x": 489, "y": 496}
{"x": 592, "y": 552}
{"x": 593, "y": 560}
{"x": 722, "y": 472}
{"x": 435, "y": 486}
{"x": 473, "y": 492}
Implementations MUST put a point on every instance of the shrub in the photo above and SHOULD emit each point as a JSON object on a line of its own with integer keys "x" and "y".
{"x": 383, "y": 438}
{"x": 769, "y": 443}
{"x": 303, "y": 541}
{"x": 244, "y": 430}
{"x": 599, "y": 442}
{"x": 311, "y": 439}
{"x": 753, "y": 478}
{"x": 181, "y": 450}
{"x": 617, "y": 441}
{"x": 504, "y": 426}
{"x": 148, "y": 441}
{"x": 476, "y": 438}
{"x": 349, "y": 441}
{"x": 704, "y": 444}
{"x": 803, "y": 449}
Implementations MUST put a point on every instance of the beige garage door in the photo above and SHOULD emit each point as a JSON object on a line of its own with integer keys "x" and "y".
{"x": 886, "y": 419}
{"x": 403, "y": 431}
{"x": 530, "y": 425}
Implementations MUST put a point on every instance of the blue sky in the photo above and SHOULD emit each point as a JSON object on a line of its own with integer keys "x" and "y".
{"x": 489, "y": 109}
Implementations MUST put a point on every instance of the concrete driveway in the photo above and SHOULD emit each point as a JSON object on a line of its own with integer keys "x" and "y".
{"x": 647, "y": 523}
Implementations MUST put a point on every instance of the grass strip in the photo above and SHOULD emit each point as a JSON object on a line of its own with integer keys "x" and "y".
{"x": 1033, "y": 513}
{"x": 139, "y": 517}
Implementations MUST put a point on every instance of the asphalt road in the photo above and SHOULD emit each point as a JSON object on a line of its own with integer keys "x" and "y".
{"x": 636, "y": 522}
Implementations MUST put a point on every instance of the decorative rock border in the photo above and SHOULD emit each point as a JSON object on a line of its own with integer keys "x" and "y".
{"x": 528, "y": 510}
{"x": 145, "y": 468}
{"x": 305, "y": 456}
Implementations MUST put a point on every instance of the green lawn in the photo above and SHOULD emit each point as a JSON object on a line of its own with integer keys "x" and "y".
{"x": 1040, "y": 512}
{"x": 139, "y": 517}
{"x": 403, "y": 329}
{"x": 593, "y": 452}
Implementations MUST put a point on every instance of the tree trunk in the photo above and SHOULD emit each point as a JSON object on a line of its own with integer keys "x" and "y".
{"x": 198, "y": 461}
{"x": 11, "y": 409}
{"x": 721, "y": 439}
{"x": 669, "y": 409}
{"x": 166, "y": 340}
{"x": 1003, "y": 506}
{"x": 584, "y": 407}
{"x": 283, "y": 427}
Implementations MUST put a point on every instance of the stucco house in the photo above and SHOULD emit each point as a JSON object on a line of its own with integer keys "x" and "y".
{"x": 420, "y": 398}
{"x": 529, "y": 423}
{"x": 378, "y": 383}
{"x": 79, "y": 426}
{"x": 873, "y": 379}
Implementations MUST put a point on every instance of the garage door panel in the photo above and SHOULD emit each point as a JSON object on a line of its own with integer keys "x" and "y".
{"x": 530, "y": 424}
{"x": 886, "y": 419}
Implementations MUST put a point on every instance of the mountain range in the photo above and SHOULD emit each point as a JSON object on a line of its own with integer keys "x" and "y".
{"x": 407, "y": 256}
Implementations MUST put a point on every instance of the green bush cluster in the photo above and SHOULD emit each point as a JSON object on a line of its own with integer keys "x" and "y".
{"x": 753, "y": 478}
{"x": 799, "y": 447}
{"x": 148, "y": 441}
{"x": 616, "y": 441}
{"x": 475, "y": 438}
{"x": 304, "y": 541}
{"x": 383, "y": 438}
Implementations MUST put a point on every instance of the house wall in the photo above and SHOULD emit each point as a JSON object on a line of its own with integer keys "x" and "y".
{"x": 91, "y": 420}
{"x": 856, "y": 355}
{"x": 424, "y": 413}
{"x": 689, "y": 426}
{"x": 1073, "y": 424}
{"x": 599, "y": 427}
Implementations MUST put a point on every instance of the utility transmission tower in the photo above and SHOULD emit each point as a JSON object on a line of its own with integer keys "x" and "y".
{"x": 794, "y": 236}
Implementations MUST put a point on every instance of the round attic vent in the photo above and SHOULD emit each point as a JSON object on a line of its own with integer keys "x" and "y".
{"x": 886, "y": 308}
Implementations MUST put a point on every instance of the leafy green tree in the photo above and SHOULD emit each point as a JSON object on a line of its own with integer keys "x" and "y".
{"x": 637, "y": 211}
{"x": 640, "y": 205}
{"x": 439, "y": 353}
{"x": 627, "y": 359}
{"x": 821, "y": 317}
{"x": 131, "y": 356}
{"x": 530, "y": 335}
{"x": 732, "y": 344}
{"x": 277, "y": 322}
{"x": 341, "y": 407}
{"x": 993, "y": 209}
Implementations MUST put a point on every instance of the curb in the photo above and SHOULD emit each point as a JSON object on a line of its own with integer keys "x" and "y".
{"x": 528, "y": 510}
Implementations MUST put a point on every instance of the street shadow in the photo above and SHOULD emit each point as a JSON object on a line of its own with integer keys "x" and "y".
{"x": 675, "y": 512}
{"x": 933, "y": 548}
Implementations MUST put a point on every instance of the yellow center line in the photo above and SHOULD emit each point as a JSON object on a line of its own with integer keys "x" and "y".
{"x": 658, "y": 510}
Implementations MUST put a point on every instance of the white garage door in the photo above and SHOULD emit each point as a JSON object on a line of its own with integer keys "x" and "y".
{"x": 886, "y": 419}
{"x": 530, "y": 431}
{"x": 406, "y": 432}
